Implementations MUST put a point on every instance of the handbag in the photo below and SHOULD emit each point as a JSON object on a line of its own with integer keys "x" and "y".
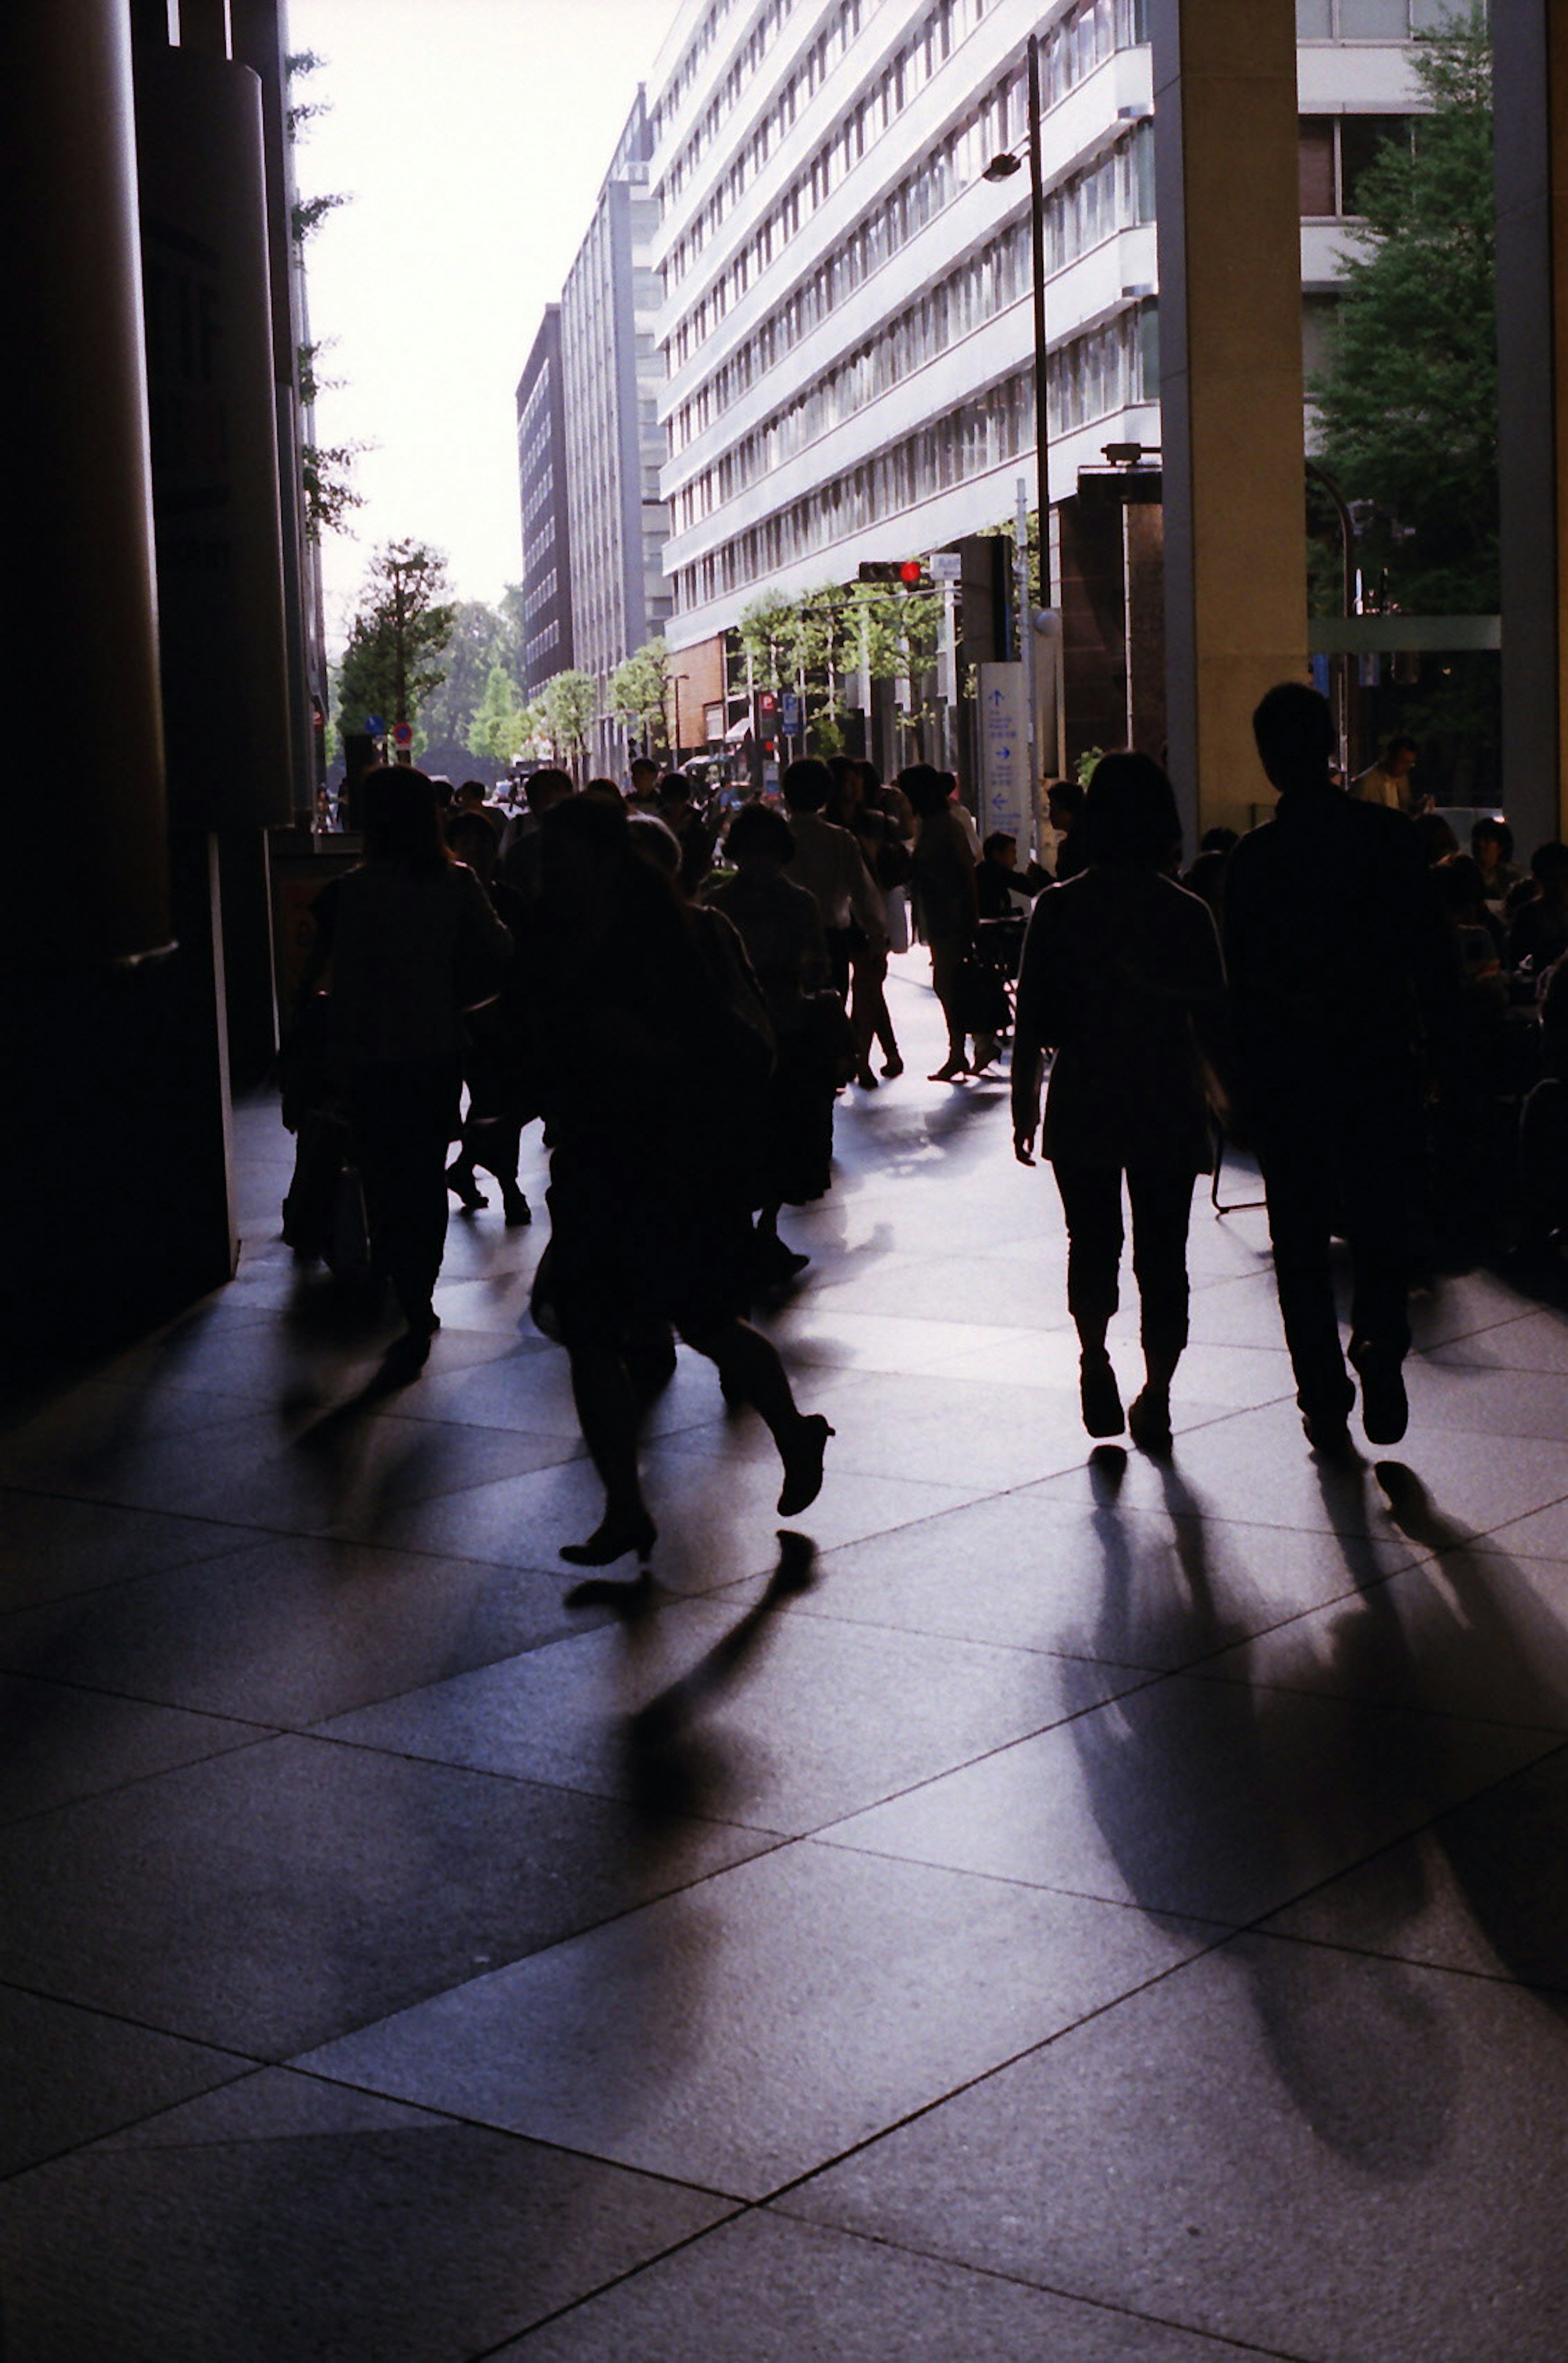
{"x": 982, "y": 998}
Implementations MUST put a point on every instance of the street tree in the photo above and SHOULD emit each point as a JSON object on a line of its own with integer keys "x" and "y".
{"x": 639, "y": 693}
{"x": 494, "y": 731}
{"x": 567, "y": 706}
{"x": 1407, "y": 403}
{"x": 392, "y": 659}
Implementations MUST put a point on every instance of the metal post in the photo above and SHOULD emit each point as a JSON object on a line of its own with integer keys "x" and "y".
{"x": 1042, "y": 370}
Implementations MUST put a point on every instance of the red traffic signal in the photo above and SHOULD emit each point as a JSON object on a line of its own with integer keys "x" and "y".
{"x": 909, "y": 573}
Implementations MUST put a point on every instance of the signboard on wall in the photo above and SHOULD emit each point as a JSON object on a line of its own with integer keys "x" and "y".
{"x": 1003, "y": 744}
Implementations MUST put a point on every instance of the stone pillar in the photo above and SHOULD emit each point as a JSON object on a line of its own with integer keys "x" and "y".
{"x": 1531, "y": 61}
{"x": 86, "y": 881}
{"x": 1229, "y": 244}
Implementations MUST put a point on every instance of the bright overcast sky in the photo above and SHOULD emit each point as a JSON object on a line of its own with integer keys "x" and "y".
{"x": 471, "y": 136}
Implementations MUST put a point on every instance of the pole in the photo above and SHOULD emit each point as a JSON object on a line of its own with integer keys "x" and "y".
{"x": 1042, "y": 376}
{"x": 1348, "y": 603}
{"x": 1026, "y": 655}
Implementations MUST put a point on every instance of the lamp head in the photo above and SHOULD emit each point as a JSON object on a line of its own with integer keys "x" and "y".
{"x": 1002, "y": 168}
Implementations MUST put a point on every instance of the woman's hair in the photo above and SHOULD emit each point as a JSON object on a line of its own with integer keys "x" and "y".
{"x": 403, "y": 819}
{"x": 1436, "y": 838}
{"x": 655, "y": 841}
{"x": 1130, "y": 819}
{"x": 758, "y": 829}
{"x": 870, "y": 778}
{"x": 926, "y": 788}
{"x": 1487, "y": 831}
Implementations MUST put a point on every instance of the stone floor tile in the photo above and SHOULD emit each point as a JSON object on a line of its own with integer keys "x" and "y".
{"x": 59, "y": 1743}
{"x": 278, "y": 1895}
{"x": 810, "y": 1337}
{"x": 290, "y": 1631}
{"x": 70, "y": 2075}
{"x": 740, "y": 1712}
{"x": 739, "y": 2033}
{"x": 1483, "y": 1889}
{"x": 764, "y": 2289}
{"x": 1161, "y": 1587}
{"x": 1533, "y": 1340}
{"x": 413, "y": 2241}
{"x": 1468, "y": 1632}
{"x": 717, "y": 1517}
{"x": 52, "y": 1546}
{"x": 1329, "y": 2157}
{"x": 1195, "y": 1796}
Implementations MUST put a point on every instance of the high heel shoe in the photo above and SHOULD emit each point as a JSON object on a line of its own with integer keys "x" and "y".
{"x": 460, "y": 1182}
{"x": 803, "y": 1465}
{"x": 611, "y": 1539}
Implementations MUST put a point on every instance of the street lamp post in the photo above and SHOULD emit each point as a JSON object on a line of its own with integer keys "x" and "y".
{"x": 1002, "y": 168}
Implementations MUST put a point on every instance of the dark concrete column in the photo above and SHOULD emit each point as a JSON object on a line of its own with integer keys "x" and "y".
{"x": 1230, "y": 232}
{"x": 79, "y": 547}
{"x": 1531, "y": 55}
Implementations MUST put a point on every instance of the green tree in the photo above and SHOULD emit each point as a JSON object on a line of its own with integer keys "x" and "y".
{"x": 1408, "y": 404}
{"x": 392, "y": 662}
{"x": 470, "y": 652}
{"x": 638, "y": 693}
{"x": 495, "y": 728}
{"x": 567, "y": 706}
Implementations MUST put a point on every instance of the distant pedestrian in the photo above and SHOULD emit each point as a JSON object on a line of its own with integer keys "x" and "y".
{"x": 1388, "y": 780}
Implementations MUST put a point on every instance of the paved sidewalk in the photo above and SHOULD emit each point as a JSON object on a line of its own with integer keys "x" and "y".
{"x": 1113, "y": 1913}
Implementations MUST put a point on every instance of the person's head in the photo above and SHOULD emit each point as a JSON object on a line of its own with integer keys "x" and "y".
{"x": 675, "y": 792}
{"x": 544, "y": 788}
{"x": 870, "y": 778}
{"x": 470, "y": 796}
{"x": 1130, "y": 821}
{"x": 1002, "y": 849}
{"x": 806, "y": 784}
{"x": 1549, "y": 868}
{"x": 603, "y": 787}
{"x": 1460, "y": 889}
{"x": 583, "y": 846}
{"x": 845, "y": 794}
{"x": 1492, "y": 842}
{"x": 1293, "y": 731}
{"x": 1217, "y": 840}
{"x": 1436, "y": 839}
{"x": 926, "y": 788}
{"x": 654, "y": 841}
{"x": 1400, "y": 756}
{"x": 643, "y": 773}
{"x": 1063, "y": 804}
{"x": 403, "y": 820}
{"x": 473, "y": 840}
{"x": 759, "y": 838}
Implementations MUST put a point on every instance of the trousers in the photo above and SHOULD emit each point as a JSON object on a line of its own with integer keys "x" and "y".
{"x": 1161, "y": 1198}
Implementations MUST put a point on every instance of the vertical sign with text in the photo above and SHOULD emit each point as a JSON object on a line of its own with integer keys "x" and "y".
{"x": 1004, "y": 742}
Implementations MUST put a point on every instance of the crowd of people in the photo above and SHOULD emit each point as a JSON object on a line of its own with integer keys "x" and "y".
{"x": 681, "y": 996}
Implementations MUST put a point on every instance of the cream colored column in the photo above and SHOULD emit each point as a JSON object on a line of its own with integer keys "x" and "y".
{"x": 1530, "y": 56}
{"x": 1230, "y": 242}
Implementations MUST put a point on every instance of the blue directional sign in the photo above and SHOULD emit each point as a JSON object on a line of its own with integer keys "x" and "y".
{"x": 374, "y": 725}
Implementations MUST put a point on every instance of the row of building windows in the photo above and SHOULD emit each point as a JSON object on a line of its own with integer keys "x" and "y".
{"x": 543, "y": 491}
{"x": 801, "y": 87}
{"x": 1113, "y": 194}
{"x": 540, "y": 645}
{"x": 539, "y": 596}
{"x": 1369, "y": 20}
{"x": 673, "y": 96}
{"x": 1080, "y": 41}
{"x": 1096, "y": 375}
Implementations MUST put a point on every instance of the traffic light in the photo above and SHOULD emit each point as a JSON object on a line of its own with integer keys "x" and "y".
{"x": 909, "y": 573}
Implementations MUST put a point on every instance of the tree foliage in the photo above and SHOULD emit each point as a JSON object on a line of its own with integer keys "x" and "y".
{"x": 816, "y": 645}
{"x": 566, "y": 707}
{"x": 638, "y": 695}
{"x": 394, "y": 656}
{"x": 495, "y": 729}
{"x": 1408, "y": 403}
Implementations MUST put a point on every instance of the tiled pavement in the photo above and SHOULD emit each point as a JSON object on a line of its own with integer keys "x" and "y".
{"x": 1113, "y": 1913}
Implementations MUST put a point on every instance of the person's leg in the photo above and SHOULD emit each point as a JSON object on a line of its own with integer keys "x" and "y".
{"x": 750, "y": 1369}
{"x": 1299, "y": 1189}
{"x": 405, "y": 1119}
{"x": 1380, "y": 1166}
{"x": 1091, "y": 1202}
{"x": 1162, "y": 1209}
{"x": 606, "y": 1404}
{"x": 946, "y": 959}
{"x": 887, "y": 1041}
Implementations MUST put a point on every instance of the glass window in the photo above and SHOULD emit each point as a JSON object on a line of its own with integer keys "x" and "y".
{"x": 1314, "y": 20}
{"x": 1374, "y": 20}
{"x": 1363, "y": 138}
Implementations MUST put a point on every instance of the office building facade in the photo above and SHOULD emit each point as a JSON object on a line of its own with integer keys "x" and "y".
{"x": 548, "y": 645}
{"x": 612, "y": 371}
{"x": 848, "y": 321}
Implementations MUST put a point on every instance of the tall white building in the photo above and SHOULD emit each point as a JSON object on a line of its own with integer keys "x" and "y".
{"x": 847, "y": 320}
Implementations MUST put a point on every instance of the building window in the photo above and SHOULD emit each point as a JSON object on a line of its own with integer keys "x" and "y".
{"x": 1369, "y": 20}
{"x": 1335, "y": 152}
